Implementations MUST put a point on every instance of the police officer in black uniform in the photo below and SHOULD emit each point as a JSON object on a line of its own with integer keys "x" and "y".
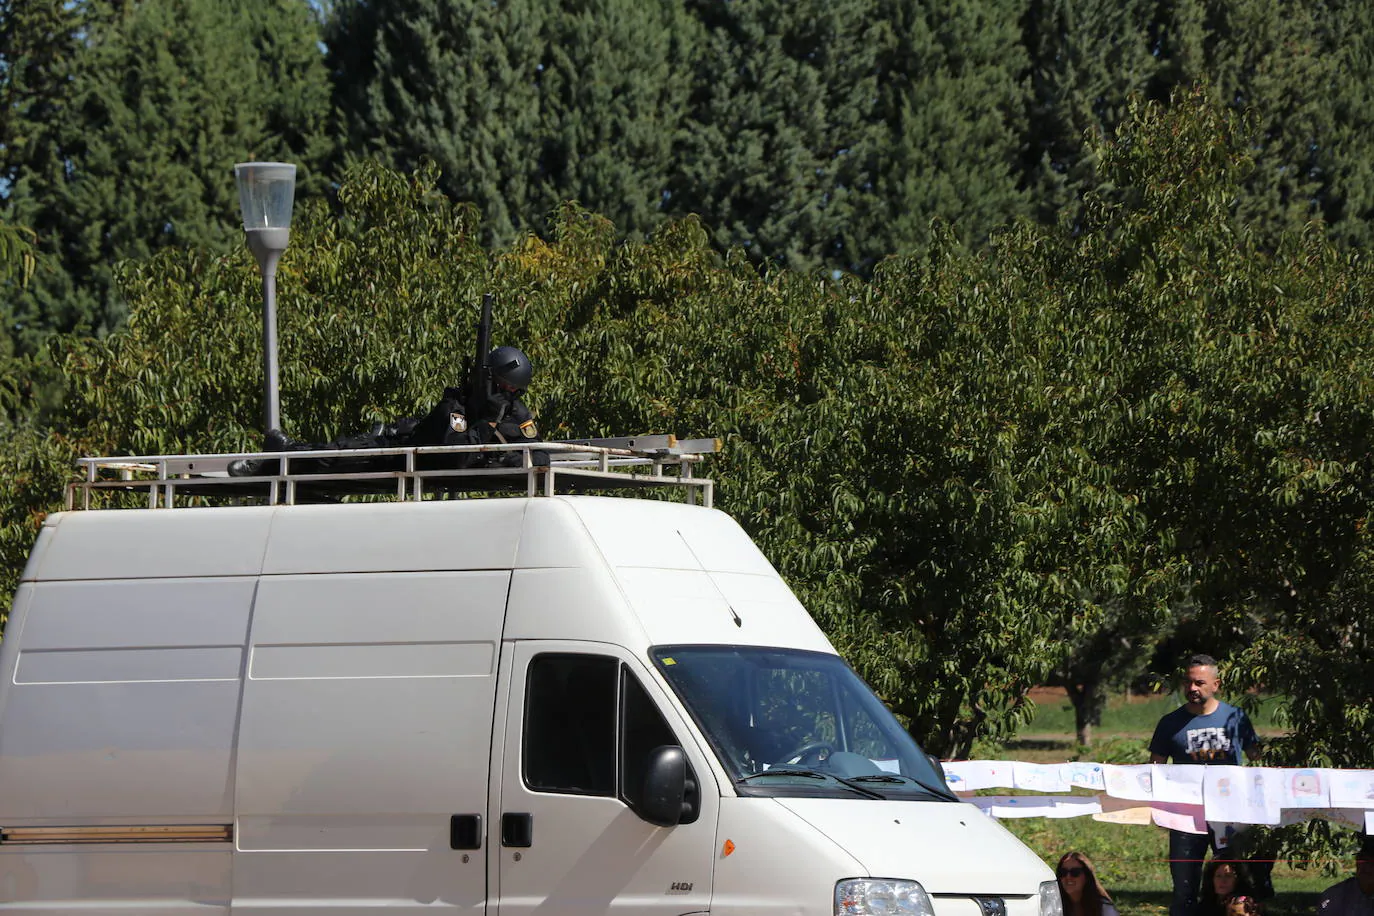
{"x": 503, "y": 418}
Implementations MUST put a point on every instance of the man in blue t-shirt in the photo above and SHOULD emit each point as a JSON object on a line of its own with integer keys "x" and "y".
{"x": 1203, "y": 730}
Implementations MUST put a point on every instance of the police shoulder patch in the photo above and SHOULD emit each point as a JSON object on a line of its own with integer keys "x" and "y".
{"x": 529, "y": 430}
{"x": 457, "y": 422}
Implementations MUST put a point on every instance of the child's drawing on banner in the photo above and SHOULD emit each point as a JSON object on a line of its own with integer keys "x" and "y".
{"x": 1038, "y": 805}
{"x": 1038, "y": 777}
{"x": 1180, "y": 784}
{"x": 1240, "y": 795}
{"x": 1176, "y": 816}
{"x": 1124, "y": 811}
{"x": 1351, "y": 788}
{"x": 1084, "y": 775}
{"x": 1305, "y": 788}
{"x": 971, "y": 775}
{"x": 1132, "y": 782}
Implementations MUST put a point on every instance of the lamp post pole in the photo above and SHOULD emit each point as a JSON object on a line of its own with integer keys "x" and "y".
{"x": 266, "y": 192}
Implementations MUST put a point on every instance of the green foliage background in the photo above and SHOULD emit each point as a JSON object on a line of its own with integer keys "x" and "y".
{"x": 1031, "y": 365}
{"x": 971, "y": 467}
{"x": 811, "y": 135}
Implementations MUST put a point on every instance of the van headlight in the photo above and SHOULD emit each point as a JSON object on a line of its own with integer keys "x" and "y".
{"x": 1050, "y": 902}
{"x": 881, "y": 897}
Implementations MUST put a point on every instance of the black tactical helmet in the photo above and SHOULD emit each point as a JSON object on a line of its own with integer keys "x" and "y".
{"x": 510, "y": 366}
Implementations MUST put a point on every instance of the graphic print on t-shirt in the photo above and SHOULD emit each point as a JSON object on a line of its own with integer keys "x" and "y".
{"x": 1207, "y": 744}
{"x": 1214, "y": 737}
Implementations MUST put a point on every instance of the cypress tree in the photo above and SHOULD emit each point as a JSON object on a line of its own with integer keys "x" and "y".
{"x": 163, "y": 98}
{"x": 614, "y": 97}
{"x": 779, "y": 153}
{"x": 454, "y": 81}
{"x": 1086, "y": 59}
{"x": 1272, "y": 62}
{"x": 523, "y": 104}
{"x": 39, "y": 42}
{"x": 953, "y": 101}
{"x": 1348, "y": 198}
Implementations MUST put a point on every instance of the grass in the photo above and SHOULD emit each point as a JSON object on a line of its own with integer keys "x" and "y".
{"x": 1131, "y": 860}
{"x": 1127, "y": 715}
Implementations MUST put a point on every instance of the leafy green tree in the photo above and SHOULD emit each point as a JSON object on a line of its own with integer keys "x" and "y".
{"x": 159, "y": 99}
{"x": 16, "y": 372}
{"x": 1215, "y": 386}
{"x": 1250, "y": 443}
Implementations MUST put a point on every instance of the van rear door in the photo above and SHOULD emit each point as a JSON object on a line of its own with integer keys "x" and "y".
{"x": 580, "y": 722}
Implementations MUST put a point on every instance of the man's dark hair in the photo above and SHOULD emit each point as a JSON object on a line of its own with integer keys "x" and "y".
{"x": 1366, "y": 850}
{"x": 1199, "y": 661}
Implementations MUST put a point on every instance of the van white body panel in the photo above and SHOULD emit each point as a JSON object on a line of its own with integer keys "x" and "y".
{"x": 390, "y": 537}
{"x": 345, "y": 669}
{"x": 898, "y": 839}
{"x": 136, "y": 544}
{"x": 105, "y": 881}
{"x": 778, "y": 865}
{"x": 345, "y": 691}
{"x": 143, "y": 696}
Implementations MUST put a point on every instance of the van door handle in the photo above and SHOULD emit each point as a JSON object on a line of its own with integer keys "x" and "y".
{"x": 465, "y": 831}
{"x": 517, "y": 830}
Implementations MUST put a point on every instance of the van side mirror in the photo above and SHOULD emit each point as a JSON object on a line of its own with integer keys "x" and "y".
{"x": 670, "y": 792}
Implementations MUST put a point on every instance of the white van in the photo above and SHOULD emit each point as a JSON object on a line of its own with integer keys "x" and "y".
{"x": 553, "y": 704}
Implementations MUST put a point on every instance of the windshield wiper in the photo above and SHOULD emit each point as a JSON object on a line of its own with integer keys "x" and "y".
{"x": 892, "y": 777}
{"x": 812, "y": 774}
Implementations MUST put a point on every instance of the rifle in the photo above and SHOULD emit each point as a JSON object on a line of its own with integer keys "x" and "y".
{"x": 479, "y": 377}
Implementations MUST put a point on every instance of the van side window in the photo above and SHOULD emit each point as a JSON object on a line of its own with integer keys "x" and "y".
{"x": 642, "y": 729}
{"x": 570, "y": 724}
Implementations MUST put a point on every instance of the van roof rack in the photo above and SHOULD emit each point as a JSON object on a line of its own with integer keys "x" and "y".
{"x": 401, "y": 474}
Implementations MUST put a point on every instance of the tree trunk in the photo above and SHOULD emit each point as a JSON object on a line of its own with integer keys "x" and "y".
{"x": 1089, "y": 699}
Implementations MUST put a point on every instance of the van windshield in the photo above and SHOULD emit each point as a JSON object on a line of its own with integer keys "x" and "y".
{"x": 780, "y": 718}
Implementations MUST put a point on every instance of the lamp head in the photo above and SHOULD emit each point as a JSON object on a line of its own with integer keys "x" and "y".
{"x": 266, "y": 192}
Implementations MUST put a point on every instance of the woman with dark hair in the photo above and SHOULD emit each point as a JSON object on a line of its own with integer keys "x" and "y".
{"x": 1222, "y": 879}
{"x": 1079, "y": 890}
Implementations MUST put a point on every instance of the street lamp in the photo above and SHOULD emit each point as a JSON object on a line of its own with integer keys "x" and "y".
{"x": 266, "y": 190}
